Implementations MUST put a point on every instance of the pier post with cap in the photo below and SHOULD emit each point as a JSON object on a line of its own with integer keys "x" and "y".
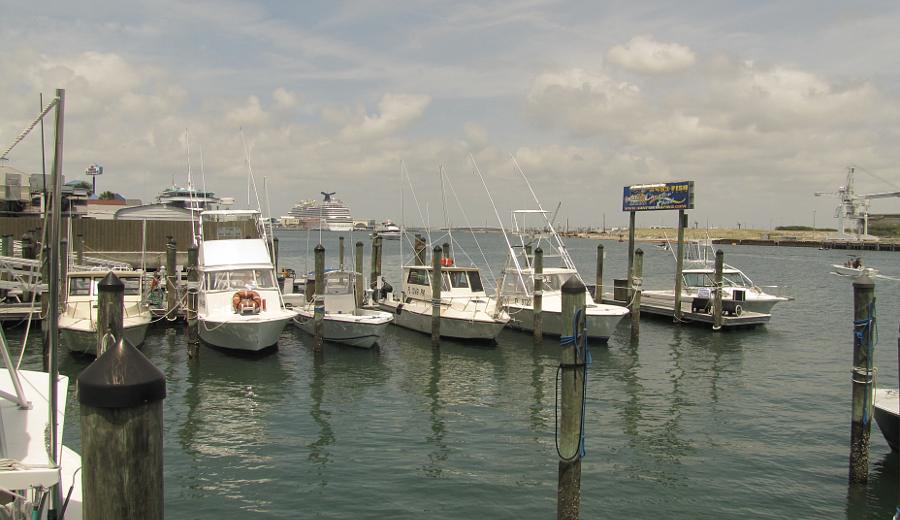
{"x": 373, "y": 271}
{"x": 571, "y": 407}
{"x": 360, "y": 289}
{"x": 717, "y": 290}
{"x": 679, "y": 264}
{"x": 862, "y": 377}
{"x": 120, "y": 396}
{"x": 379, "y": 250}
{"x": 110, "y": 305}
{"x": 637, "y": 285}
{"x": 341, "y": 253}
{"x": 598, "y": 288}
{"x": 538, "y": 297}
{"x": 193, "y": 297}
{"x": 171, "y": 281}
{"x": 319, "y": 309}
{"x": 631, "y": 226}
{"x": 436, "y": 296}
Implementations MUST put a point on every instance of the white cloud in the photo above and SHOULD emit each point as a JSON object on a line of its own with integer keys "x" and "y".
{"x": 395, "y": 111}
{"x": 285, "y": 99}
{"x": 251, "y": 113}
{"x": 646, "y": 55}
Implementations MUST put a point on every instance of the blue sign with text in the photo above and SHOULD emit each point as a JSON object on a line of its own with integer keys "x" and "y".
{"x": 668, "y": 195}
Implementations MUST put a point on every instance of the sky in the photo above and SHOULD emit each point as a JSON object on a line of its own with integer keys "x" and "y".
{"x": 761, "y": 104}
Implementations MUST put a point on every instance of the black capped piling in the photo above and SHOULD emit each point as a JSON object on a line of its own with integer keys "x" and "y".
{"x": 598, "y": 288}
{"x": 862, "y": 377}
{"x": 28, "y": 248}
{"x": 436, "y": 296}
{"x": 631, "y": 226}
{"x": 121, "y": 396}
{"x": 275, "y": 251}
{"x": 637, "y": 286}
{"x": 717, "y": 290}
{"x": 110, "y": 308}
{"x": 373, "y": 272}
{"x": 360, "y": 289}
{"x": 571, "y": 404}
{"x": 379, "y": 248}
{"x": 319, "y": 309}
{"x": 193, "y": 293}
{"x": 538, "y": 300}
{"x": 445, "y": 251}
{"x": 171, "y": 280}
{"x": 679, "y": 263}
{"x": 341, "y": 253}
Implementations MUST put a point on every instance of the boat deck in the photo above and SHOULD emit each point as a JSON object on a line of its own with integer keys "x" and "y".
{"x": 746, "y": 319}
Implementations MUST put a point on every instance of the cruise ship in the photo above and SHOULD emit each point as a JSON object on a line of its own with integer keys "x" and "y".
{"x": 330, "y": 214}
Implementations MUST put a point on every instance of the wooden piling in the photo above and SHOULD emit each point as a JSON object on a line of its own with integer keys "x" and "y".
{"x": 717, "y": 290}
{"x": 121, "y": 396}
{"x": 679, "y": 264}
{"x": 171, "y": 281}
{"x": 341, "y": 253}
{"x": 360, "y": 289}
{"x": 436, "y": 296}
{"x": 45, "y": 305}
{"x": 571, "y": 406}
{"x": 319, "y": 309}
{"x": 7, "y": 245}
{"x": 637, "y": 285}
{"x": 63, "y": 269}
{"x": 193, "y": 292}
{"x": 110, "y": 309}
{"x": 862, "y": 377}
{"x": 28, "y": 246}
{"x": 275, "y": 252}
{"x": 631, "y": 224}
{"x": 538, "y": 299}
{"x": 379, "y": 248}
{"x": 598, "y": 288}
{"x": 445, "y": 250}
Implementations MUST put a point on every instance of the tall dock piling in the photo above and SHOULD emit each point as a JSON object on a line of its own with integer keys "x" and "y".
{"x": 28, "y": 246}
{"x": 110, "y": 308}
{"x": 862, "y": 377}
{"x": 717, "y": 290}
{"x": 373, "y": 272}
{"x": 598, "y": 289}
{"x": 360, "y": 289}
{"x": 45, "y": 304}
{"x": 341, "y": 253}
{"x": 379, "y": 249}
{"x": 436, "y": 296}
{"x": 637, "y": 285}
{"x": 538, "y": 301}
{"x": 7, "y": 245}
{"x": 275, "y": 252}
{"x": 571, "y": 406}
{"x": 63, "y": 268}
{"x": 121, "y": 396}
{"x": 171, "y": 281}
{"x": 445, "y": 252}
{"x": 319, "y": 309}
{"x": 193, "y": 292}
{"x": 631, "y": 225}
{"x": 679, "y": 264}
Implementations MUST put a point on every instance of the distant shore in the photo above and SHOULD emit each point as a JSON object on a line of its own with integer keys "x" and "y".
{"x": 717, "y": 234}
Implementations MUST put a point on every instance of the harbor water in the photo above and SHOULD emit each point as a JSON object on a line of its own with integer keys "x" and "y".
{"x": 686, "y": 424}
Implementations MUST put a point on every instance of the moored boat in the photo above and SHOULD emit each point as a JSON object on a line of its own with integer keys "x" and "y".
{"x": 887, "y": 414}
{"x": 240, "y": 305}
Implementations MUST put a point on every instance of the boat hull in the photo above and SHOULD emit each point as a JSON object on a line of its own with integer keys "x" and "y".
{"x": 887, "y": 415}
{"x": 79, "y": 335}
{"x": 359, "y": 330}
{"x": 417, "y": 316}
{"x": 242, "y": 334}
{"x": 752, "y": 303}
{"x": 599, "y": 326}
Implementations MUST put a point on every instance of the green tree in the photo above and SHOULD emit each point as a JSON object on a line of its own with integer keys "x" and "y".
{"x": 107, "y": 195}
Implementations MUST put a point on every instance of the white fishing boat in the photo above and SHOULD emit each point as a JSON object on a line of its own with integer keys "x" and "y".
{"x": 387, "y": 230}
{"x": 887, "y": 414}
{"x": 516, "y": 293}
{"x": 466, "y": 311}
{"x": 344, "y": 322}
{"x": 77, "y": 323}
{"x": 240, "y": 305}
{"x": 698, "y": 281}
{"x": 854, "y": 267}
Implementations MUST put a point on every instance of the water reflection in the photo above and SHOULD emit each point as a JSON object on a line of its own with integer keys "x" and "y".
{"x": 879, "y": 497}
{"x": 319, "y": 455}
{"x": 440, "y": 451}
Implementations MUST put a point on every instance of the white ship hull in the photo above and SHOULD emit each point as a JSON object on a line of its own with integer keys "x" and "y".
{"x": 251, "y": 333}
{"x": 761, "y": 303}
{"x": 80, "y": 335}
{"x": 359, "y": 330}
{"x": 467, "y": 325}
{"x": 601, "y": 319}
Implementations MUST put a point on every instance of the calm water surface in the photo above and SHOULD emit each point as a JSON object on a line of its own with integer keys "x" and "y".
{"x": 686, "y": 424}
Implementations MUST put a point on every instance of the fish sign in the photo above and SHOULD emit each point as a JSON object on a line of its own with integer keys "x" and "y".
{"x": 650, "y": 197}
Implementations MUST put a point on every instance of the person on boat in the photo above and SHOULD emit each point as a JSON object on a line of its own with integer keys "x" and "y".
{"x": 857, "y": 262}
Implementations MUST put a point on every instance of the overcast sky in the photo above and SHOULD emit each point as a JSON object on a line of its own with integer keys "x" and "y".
{"x": 762, "y": 104}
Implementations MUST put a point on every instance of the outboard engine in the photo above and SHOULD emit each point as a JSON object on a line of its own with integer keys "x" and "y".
{"x": 386, "y": 288}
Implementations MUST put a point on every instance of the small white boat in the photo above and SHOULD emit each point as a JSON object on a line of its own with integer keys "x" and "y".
{"x": 698, "y": 281}
{"x": 344, "y": 322}
{"x": 466, "y": 311}
{"x": 854, "y": 268}
{"x": 887, "y": 414}
{"x": 387, "y": 230}
{"x": 77, "y": 323}
{"x": 240, "y": 305}
{"x": 517, "y": 284}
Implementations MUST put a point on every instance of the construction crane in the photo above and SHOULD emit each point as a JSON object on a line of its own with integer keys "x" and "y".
{"x": 853, "y": 211}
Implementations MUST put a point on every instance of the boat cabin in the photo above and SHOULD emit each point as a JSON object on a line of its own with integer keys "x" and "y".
{"x": 706, "y": 278}
{"x": 230, "y": 224}
{"x": 455, "y": 282}
{"x": 554, "y": 278}
{"x": 82, "y": 291}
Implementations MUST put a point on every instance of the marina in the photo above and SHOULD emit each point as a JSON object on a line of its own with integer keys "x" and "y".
{"x": 681, "y": 416}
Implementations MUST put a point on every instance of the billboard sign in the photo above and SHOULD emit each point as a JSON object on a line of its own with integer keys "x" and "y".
{"x": 650, "y": 197}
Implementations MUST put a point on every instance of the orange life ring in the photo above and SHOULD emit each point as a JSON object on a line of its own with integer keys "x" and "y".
{"x": 246, "y": 300}
{"x": 447, "y": 261}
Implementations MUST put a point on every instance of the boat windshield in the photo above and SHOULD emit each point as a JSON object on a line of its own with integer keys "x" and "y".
{"x": 729, "y": 279}
{"x": 87, "y": 285}
{"x": 552, "y": 283}
{"x": 458, "y": 279}
{"x": 338, "y": 283}
{"x": 475, "y": 281}
{"x": 240, "y": 279}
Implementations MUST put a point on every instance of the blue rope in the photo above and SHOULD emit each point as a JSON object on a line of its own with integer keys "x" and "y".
{"x": 582, "y": 351}
{"x": 861, "y": 328}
